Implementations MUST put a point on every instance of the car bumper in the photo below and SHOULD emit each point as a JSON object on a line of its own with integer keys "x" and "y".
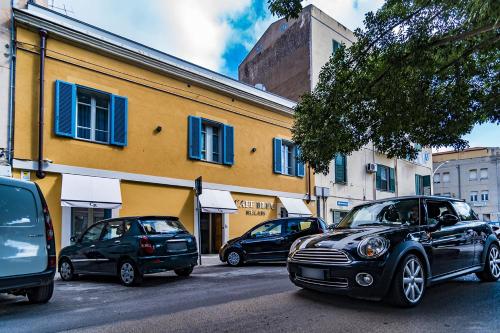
{"x": 155, "y": 264}
{"x": 341, "y": 279}
{"x": 17, "y": 282}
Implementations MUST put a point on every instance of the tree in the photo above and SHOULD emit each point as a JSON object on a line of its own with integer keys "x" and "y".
{"x": 421, "y": 72}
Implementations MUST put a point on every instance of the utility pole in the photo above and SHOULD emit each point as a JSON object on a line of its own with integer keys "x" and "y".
{"x": 198, "y": 188}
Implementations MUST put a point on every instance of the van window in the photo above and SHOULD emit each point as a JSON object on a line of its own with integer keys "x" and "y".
{"x": 17, "y": 207}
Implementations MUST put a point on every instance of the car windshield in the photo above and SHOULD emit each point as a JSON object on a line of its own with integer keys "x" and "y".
{"x": 391, "y": 212}
{"x": 161, "y": 226}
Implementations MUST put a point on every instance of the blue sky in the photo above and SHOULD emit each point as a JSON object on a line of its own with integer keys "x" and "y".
{"x": 216, "y": 34}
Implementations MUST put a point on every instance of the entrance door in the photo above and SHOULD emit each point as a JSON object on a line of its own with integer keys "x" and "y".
{"x": 211, "y": 233}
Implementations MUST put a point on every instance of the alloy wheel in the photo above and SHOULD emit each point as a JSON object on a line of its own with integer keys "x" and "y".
{"x": 495, "y": 262}
{"x": 127, "y": 273}
{"x": 66, "y": 270}
{"x": 413, "y": 280}
{"x": 233, "y": 258}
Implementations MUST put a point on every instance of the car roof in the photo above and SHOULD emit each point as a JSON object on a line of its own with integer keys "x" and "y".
{"x": 17, "y": 182}
{"x": 416, "y": 197}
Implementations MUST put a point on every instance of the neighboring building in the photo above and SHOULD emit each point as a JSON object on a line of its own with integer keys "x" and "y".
{"x": 287, "y": 60}
{"x": 473, "y": 175}
{"x": 128, "y": 129}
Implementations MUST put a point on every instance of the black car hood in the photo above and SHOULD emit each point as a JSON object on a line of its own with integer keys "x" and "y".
{"x": 341, "y": 238}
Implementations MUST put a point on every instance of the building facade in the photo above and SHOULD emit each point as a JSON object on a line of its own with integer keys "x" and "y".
{"x": 472, "y": 175}
{"x": 127, "y": 129}
{"x": 287, "y": 61}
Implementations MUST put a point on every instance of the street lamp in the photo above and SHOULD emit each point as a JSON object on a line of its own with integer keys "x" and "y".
{"x": 433, "y": 173}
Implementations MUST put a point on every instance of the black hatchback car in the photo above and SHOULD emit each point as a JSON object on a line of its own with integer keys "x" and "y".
{"x": 270, "y": 240}
{"x": 129, "y": 247}
{"x": 396, "y": 248}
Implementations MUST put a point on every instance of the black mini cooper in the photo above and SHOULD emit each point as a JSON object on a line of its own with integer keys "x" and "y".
{"x": 129, "y": 247}
{"x": 395, "y": 248}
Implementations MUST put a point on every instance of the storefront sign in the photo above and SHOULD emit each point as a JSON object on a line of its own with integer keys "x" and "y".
{"x": 342, "y": 203}
{"x": 255, "y": 208}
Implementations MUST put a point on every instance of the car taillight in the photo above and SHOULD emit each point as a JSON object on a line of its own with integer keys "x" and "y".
{"x": 146, "y": 245}
{"x": 49, "y": 232}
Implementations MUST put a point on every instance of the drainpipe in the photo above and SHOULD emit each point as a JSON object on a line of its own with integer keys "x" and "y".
{"x": 459, "y": 182}
{"x": 10, "y": 117}
{"x": 43, "y": 40}
{"x": 308, "y": 200}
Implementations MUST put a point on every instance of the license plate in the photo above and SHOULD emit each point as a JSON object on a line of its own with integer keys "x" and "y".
{"x": 313, "y": 273}
{"x": 176, "y": 246}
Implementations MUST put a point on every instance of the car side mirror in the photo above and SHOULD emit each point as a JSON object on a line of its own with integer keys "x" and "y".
{"x": 448, "y": 220}
{"x": 74, "y": 239}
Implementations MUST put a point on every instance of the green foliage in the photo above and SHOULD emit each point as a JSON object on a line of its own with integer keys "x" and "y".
{"x": 421, "y": 71}
{"x": 285, "y": 8}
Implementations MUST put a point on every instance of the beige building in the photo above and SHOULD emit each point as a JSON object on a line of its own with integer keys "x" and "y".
{"x": 287, "y": 61}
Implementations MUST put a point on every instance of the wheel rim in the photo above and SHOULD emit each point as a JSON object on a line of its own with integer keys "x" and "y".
{"x": 413, "y": 280}
{"x": 127, "y": 273}
{"x": 66, "y": 270}
{"x": 233, "y": 258}
{"x": 495, "y": 262}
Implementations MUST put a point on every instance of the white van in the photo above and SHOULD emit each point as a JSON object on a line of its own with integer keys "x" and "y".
{"x": 27, "y": 247}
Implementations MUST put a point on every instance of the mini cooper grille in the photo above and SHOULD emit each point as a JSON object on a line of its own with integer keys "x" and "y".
{"x": 337, "y": 283}
{"x": 321, "y": 256}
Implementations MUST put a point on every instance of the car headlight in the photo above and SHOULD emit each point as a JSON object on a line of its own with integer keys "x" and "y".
{"x": 373, "y": 247}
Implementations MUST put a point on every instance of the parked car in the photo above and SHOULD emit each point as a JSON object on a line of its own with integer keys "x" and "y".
{"x": 27, "y": 247}
{"x": 395, "y": 249}
{"x": 129, "y": 247}
{"x": 270, "y": 240}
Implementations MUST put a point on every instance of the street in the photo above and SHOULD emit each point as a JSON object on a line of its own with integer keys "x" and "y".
{"x": 245, "y": 299}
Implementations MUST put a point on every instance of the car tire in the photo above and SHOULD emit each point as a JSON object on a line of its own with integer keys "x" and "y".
{"x": 41, "y": 294}
{"x": 408, "y": 283}
{"x": 66, "y": 270}
{"x": 491, "y": 272}
{"x": 184, "y": 272}
{"x": 128, "y": 273}
{"x": 234, "y": 258}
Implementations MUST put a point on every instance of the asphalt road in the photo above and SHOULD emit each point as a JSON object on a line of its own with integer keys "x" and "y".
{"x": 247, "y": 299}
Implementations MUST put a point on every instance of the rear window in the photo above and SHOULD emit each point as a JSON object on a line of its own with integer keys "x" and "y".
{"x": 162, "y": 226}
{"x": 17, "y": 207}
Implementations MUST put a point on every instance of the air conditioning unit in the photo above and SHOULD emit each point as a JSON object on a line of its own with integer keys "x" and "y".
{"x": 371, "y": 168}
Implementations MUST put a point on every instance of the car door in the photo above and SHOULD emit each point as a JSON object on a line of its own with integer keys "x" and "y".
{"x": 296, "y": 228}
{"x": 264, "y": 242}
{"x": 451, "y": 247}
{"x": 84, "y": 259}
{"x": 479, "y": 228}
{"x": 110, "y": 248}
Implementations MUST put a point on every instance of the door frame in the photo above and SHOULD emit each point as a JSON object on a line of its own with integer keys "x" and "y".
{"x": 196, "y": 227}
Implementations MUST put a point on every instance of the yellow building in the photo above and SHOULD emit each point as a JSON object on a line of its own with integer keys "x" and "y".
{"x": 127, "y": 129}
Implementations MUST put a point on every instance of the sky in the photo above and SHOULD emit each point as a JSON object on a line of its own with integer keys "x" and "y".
{"x": 216, "y": 34}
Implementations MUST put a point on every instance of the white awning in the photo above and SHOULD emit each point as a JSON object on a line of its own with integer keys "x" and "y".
{"x": 295, "y": 207}
{"x": 90, "y": 192}
{"x": 214, "y": 201}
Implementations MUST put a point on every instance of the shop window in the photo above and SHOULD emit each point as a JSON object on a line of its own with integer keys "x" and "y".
{"x": 473, "y": 174}
{"x": 483, "y": 173}
{"x": 286, "y": 158}
{"x": 210, "y": 141}
{"x": 340, "y": 168}
{"x": 485, "y": 196}
{"x": 82, "y": 218}
{"x": 446, "y": 177}
{"x": 87, "y": 114}
{"x": 473, "y": 196}
{"x": 385, "y": 178}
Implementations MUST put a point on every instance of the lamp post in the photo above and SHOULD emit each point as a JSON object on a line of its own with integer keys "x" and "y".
{"x": 433, "y": 173}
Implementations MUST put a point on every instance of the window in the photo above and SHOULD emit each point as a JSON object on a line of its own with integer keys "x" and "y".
{"x": 297, "y": 225}
{"x": 486, "y": 217}
{"x": 446, "y": 177}
{"x": 340, "y": 168}
{"x": 473, "y": 174}
{"x": 335, "y": 46}
{"x": 338, "y": 215}
{"x": 422, "y": 184}
{"x": 161, "y": 226}
{"x": 268, "y": 229}
{"x": 93, "y": 233}
{"x": 437, "y": 178}
{"x": 473, "y": 196}
{"x": 210, "y": 143}
{"x": 82, "y": 218}
{"x": 436, "y": 210}
{"x": 485, "y": 196}
{"x": 92, "y": 116}
{"x": 385, "y": 178}
{"x": 17, "y": 209}
{"x": 464, "y": 211}
{"x": 114, "y": 229}
{"x": 286, "y": 158}
{"x": 483, "y": 173}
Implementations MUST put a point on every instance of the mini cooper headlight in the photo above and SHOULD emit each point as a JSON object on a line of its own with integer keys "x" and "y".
{"x": 373, "y": 247}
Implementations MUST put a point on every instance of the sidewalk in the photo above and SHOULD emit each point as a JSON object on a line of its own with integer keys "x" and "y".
{"x": 211, "y": 260}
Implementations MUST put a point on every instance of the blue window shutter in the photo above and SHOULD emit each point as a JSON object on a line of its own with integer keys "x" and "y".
{"x": 65, "y": 109}
{"x": 119, "y": 120}
{"x": 392, "y": 180}
{"x": 228, "y": 144}
{"x": 417, "y": 184}
{"x": 299, "y": 166}
{"x": 194, "y": 137}
{"x": 277, "y": 163}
